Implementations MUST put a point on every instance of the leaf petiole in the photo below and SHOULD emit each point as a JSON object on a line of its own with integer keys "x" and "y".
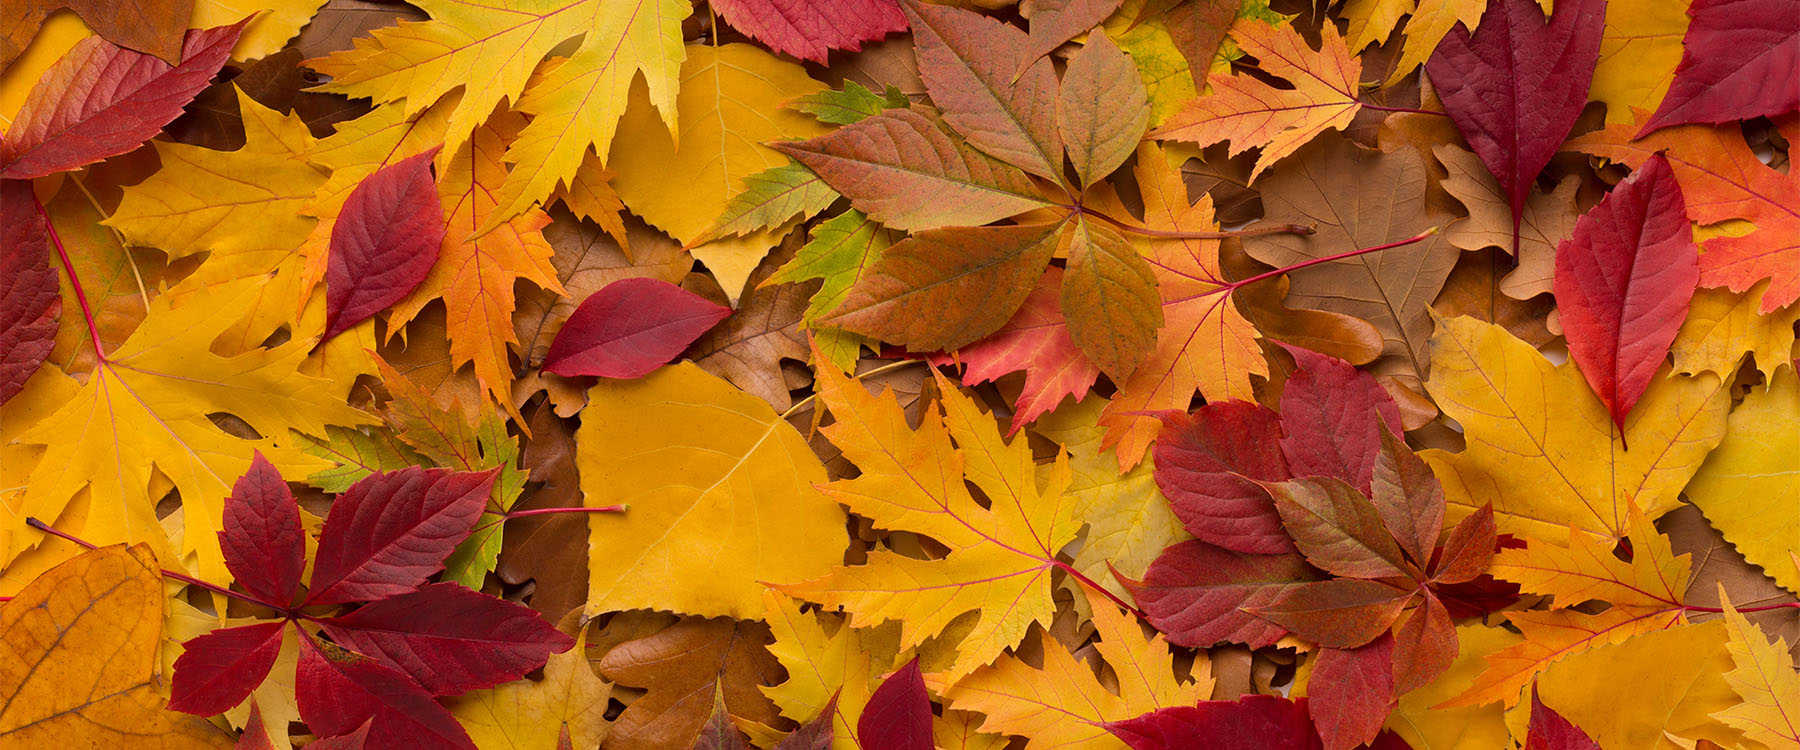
{"x": 87, "y": 313}
{"x": 182, "y": 577}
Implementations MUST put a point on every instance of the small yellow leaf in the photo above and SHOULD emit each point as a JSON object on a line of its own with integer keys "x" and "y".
{"x": 1766, "y": 680}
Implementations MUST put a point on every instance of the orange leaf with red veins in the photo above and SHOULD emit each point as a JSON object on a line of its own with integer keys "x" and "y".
{"x": 991, "y": 91}
{"x": 1035, "y": 341}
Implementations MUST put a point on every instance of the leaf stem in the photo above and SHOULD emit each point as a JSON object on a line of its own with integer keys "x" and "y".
{"x": 1406, "y": 110}
{"x": 1129, "y": 228}
{"x": 1769, "y": 608}
{"x": 889, "y": 367}
{"x": 182, "y": 577}
{"x": 510, "y": 515}
{"x": 74, "y": 282}
{"x": 1089, "y": 582}
{"x": 1233, "y": 286}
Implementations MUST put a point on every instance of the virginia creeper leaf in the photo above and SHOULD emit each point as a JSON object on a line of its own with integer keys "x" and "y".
{"x": 1350, "y": 693}
{"x": 388, "y": 532}
{"x": 1109, "y": 298}
{"x": 1737, "y": 63}
{"x": 29, "y": 299}
{"x": 1196, "y": 593}
{"x": 1332, "y": 419}
{"x": 810, "y": 29}
{"x": 263, "y": 543}
{"x": 1208, "y": 463}
{"x": 384, "y": 243}
{"x": 340, "y": 691}
{"x": 1101, "y": 108}
{"x": 630, "y": 328}
{"x": 448, "y": 638}
{"x": 1253, "y": 721}
{"x": 1339, "y": 613}
{"x": 218, "y": 670}
{"x": 981, "y": 73}
{"x": 1336, "y": 527}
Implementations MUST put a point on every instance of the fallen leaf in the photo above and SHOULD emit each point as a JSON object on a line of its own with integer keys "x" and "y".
{"x": 811, "y": 29}
{"x": 1035, "y": 341}
{"x": 1764, "y": 677}
{"x": 630, "y": 328}
{"x": 1638, "y": 53}
{"x": 680, "y": 666}
{"x": 990, "y": 86}
{"x": 152, "y": 28}
{"x": 898, "y": 716}
{"x": 1722, "y": 326}
{"x": 384, "y": 244}
{"x": 1253, "y": 721}
{"x": 1732, "y": 51}
{"x": 1744, "y": 485}
{"x": 1550, "y": 731}
{"x": 29, "y": 296}
{"x": 1548, "y": 220}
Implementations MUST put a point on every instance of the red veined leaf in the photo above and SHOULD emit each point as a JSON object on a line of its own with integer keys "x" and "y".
{"x": 1035, "y": 341}
{"x": 340, "y": 691}
{"x": 1339, "y": 613}
{"x": 389, "y": 531}
{"x": 1623, "y": 284}
{"x": 629, "y": 328}
{"x": 255, "y": 736}
{"x": 1336, "y": 527}
{"x": 29, "y": 296}
{"x": 898, "y": 714}
{"x": 1737, "y": 63}
{"x": 1102, "y": 108}
{"x": 1331, "y": 419}
{"x": 1254, "y": 722}
{"x": 1469, "y": 549}
{"x": 1409, "y": 498}
{"x": 102, "y": 100}
{"x": 810, "y": 29}
{"x": 384, "y": 242}
{"x": 357, "y": 740}
{"x": 263, "y": 543}
{"x": 1205, "y": 464}
{"x": 1351, "y": 692}
{"x": 980, "y": 75}
{"x": 1550, "y": 731}
{"x": 1195, "y": 593}
{"x": 1424, "y": 645}
{"x": 218, "y": 670}
{"x": 1515, "y": 86}
{"x": 450, "y": 639}
{"x": 1055, "y": 22}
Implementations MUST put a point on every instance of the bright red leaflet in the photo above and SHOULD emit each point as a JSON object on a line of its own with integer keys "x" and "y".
{"x": 630, "y": 328}
{"x": 450, "y": 639}
{"x": 1623, "y": 284}
{"x": 1550, "y": 731}
{"x": 340, "y": 692}
{"x": 1740, "y": 60}
{"x": 102, "y": 100}
{"x": 387, "y": 533}
{"x": 1205, "y": 462}
{"x": 898, "y": 714}
{"x": 1254, "y": 722}
{"x": 384, "y": 242}
{"x": 264, "y": 546}
{"x": 811, "y": 29}
{"x": 218, "y": 670}
{"x": 1515, "y": 87}
{"x": 1352, "y": 691}
{"x": 1035, "y": 341}
{"x": 29, "y": 298}
{"x": 1195, "y": 593}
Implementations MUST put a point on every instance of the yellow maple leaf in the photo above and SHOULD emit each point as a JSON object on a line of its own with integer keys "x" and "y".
{"x": 731, "y": 103}
{"x": 143, "y": 411}
{"x": 1654, "y": 578}
{"x": 1371, "y": 21}
{"x": 1765, "y": 679}
{"x": 719, "y": 489}
{"x": 1248, "y": 112}
{"x": 847, "y": 662}
{"x": 1722, "y": 326}
{"x": 1748, "y": 487}
{"x": 1426, "y": 726}
{"x": 1639, "y": 50}
{"x": 276, "y": 22}
{"x": 1063, "y": 704}
{"x": 1430, "y": 21}
{"x": 1001, "y": 556}
{"x": 1675, "y": 681}
{"x": 78, "y": 654}
{"x": 534, "y": 714}
{"x": 1541, "y": 448}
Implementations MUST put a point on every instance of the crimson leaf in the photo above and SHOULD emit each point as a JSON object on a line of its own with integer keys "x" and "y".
{"x": 450, "y": 639}
{"x": 384, "y": 242}
{"x": 630, "y": 328}
{"x": 389, "y": 531}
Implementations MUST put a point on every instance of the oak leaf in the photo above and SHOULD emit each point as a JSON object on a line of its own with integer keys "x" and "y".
{"x": 1547, "y": 221}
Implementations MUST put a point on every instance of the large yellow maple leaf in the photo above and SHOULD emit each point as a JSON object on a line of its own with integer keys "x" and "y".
{"x": 144, "y": 412}
{"x": 1676, "y": 682}
{"x": 846, "y": 662}
{"x": 1749, "y": 488}
{"x": 489, "y": 48}
{"x": 1001, "y": 556}
{"x": 1541, "y": 448}
{"x": 1766, "y": 680}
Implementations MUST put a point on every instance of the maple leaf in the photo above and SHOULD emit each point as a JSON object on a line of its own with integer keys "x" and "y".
{"x": 29, "y": 299}
{"x": 1765, "y": 679}
{"x": 832, "y": 668}
{"x": 719, "y": 734}
{"x": 913, "y": 480}
{"x": 1681, "y": 670}
{"x": 1723, "y": 326}
{"x": 1731, "y": 52}
{"x": 1034, "y": 341}
{"x": 1249, "y": 112}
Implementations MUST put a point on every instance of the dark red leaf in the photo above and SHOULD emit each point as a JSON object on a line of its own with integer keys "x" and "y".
{"x": 1623, "y": 284}
{"x": 340, "y": 691}
{"x": 1424, "y": 645}
{"x": 1194, "y": 593}
{"x": 384, "y": 242}
{"x": 218, "y": 670}
{"x": 101, "y": 100}
{"x": 815, "y": 734}
{"x": 1482, "y": 596}
{"x": 255, "y": 736}
{"x": 1339, "y": 613}
{"x": 1331, "y": 419}
{"x": 391, "y": 530}
{"x": 1409, "y": 498}
{"x": 263, "y": 543}
{"x": 450, "y": 639}
{"x": 1550, "y": 731}
{"x": 630, "y": 328}
{"x": 29, "y": 298}
{"x": 1254, "y": 722}
{"x": 1337, "y": 528}
{"x": 810, "y": 29}
{"x": 1738, "y": 62}
{"x": 1469, "y": 549}
{"x": 898, "y": 715}
{"x": 1515, "y": 87}
{"x": 1205, "y": 462}
{"x": 1351, "y": 693}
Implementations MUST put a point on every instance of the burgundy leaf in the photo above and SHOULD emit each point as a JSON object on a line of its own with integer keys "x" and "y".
{"x": 1331, "y": 419}
{"x": 898, "y": 714}
{"x": 1205, "y": 462}
{"x": 102, "y": 100}
{"x": 391, "y": 530}
{"x": 1469, "y": 549}
{"x": 340, "y": 692}
{"x": 29, "y": 298}
{"x": 1515, "y": 87}
{"x": 357, "y": 740}
{"x": 1409, "y": 498}
{"x": 1036, "y": 341}
{"x": 1550, "y": 731}
{"x": 1194, "y": 593}
{"x": 263, "y": 543}
{"x": 1738, "y": 62}
{"x": 1483, "y": 596}
{"x": 384, "y": 242}
{"x": 1336, "y": 528}
{"x": 450, "y": 639}
{"x": 810, "y": 29}
{"x": 1424, "y": 645}
{"x": 1352, "y": 692}
{"x": 630, "y": 328}
{"x": 1623, "y": 284}
{"x": 1254, "y": 722}
{"x": 1339, "y": 613}
{"x": 218, "y": 670}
